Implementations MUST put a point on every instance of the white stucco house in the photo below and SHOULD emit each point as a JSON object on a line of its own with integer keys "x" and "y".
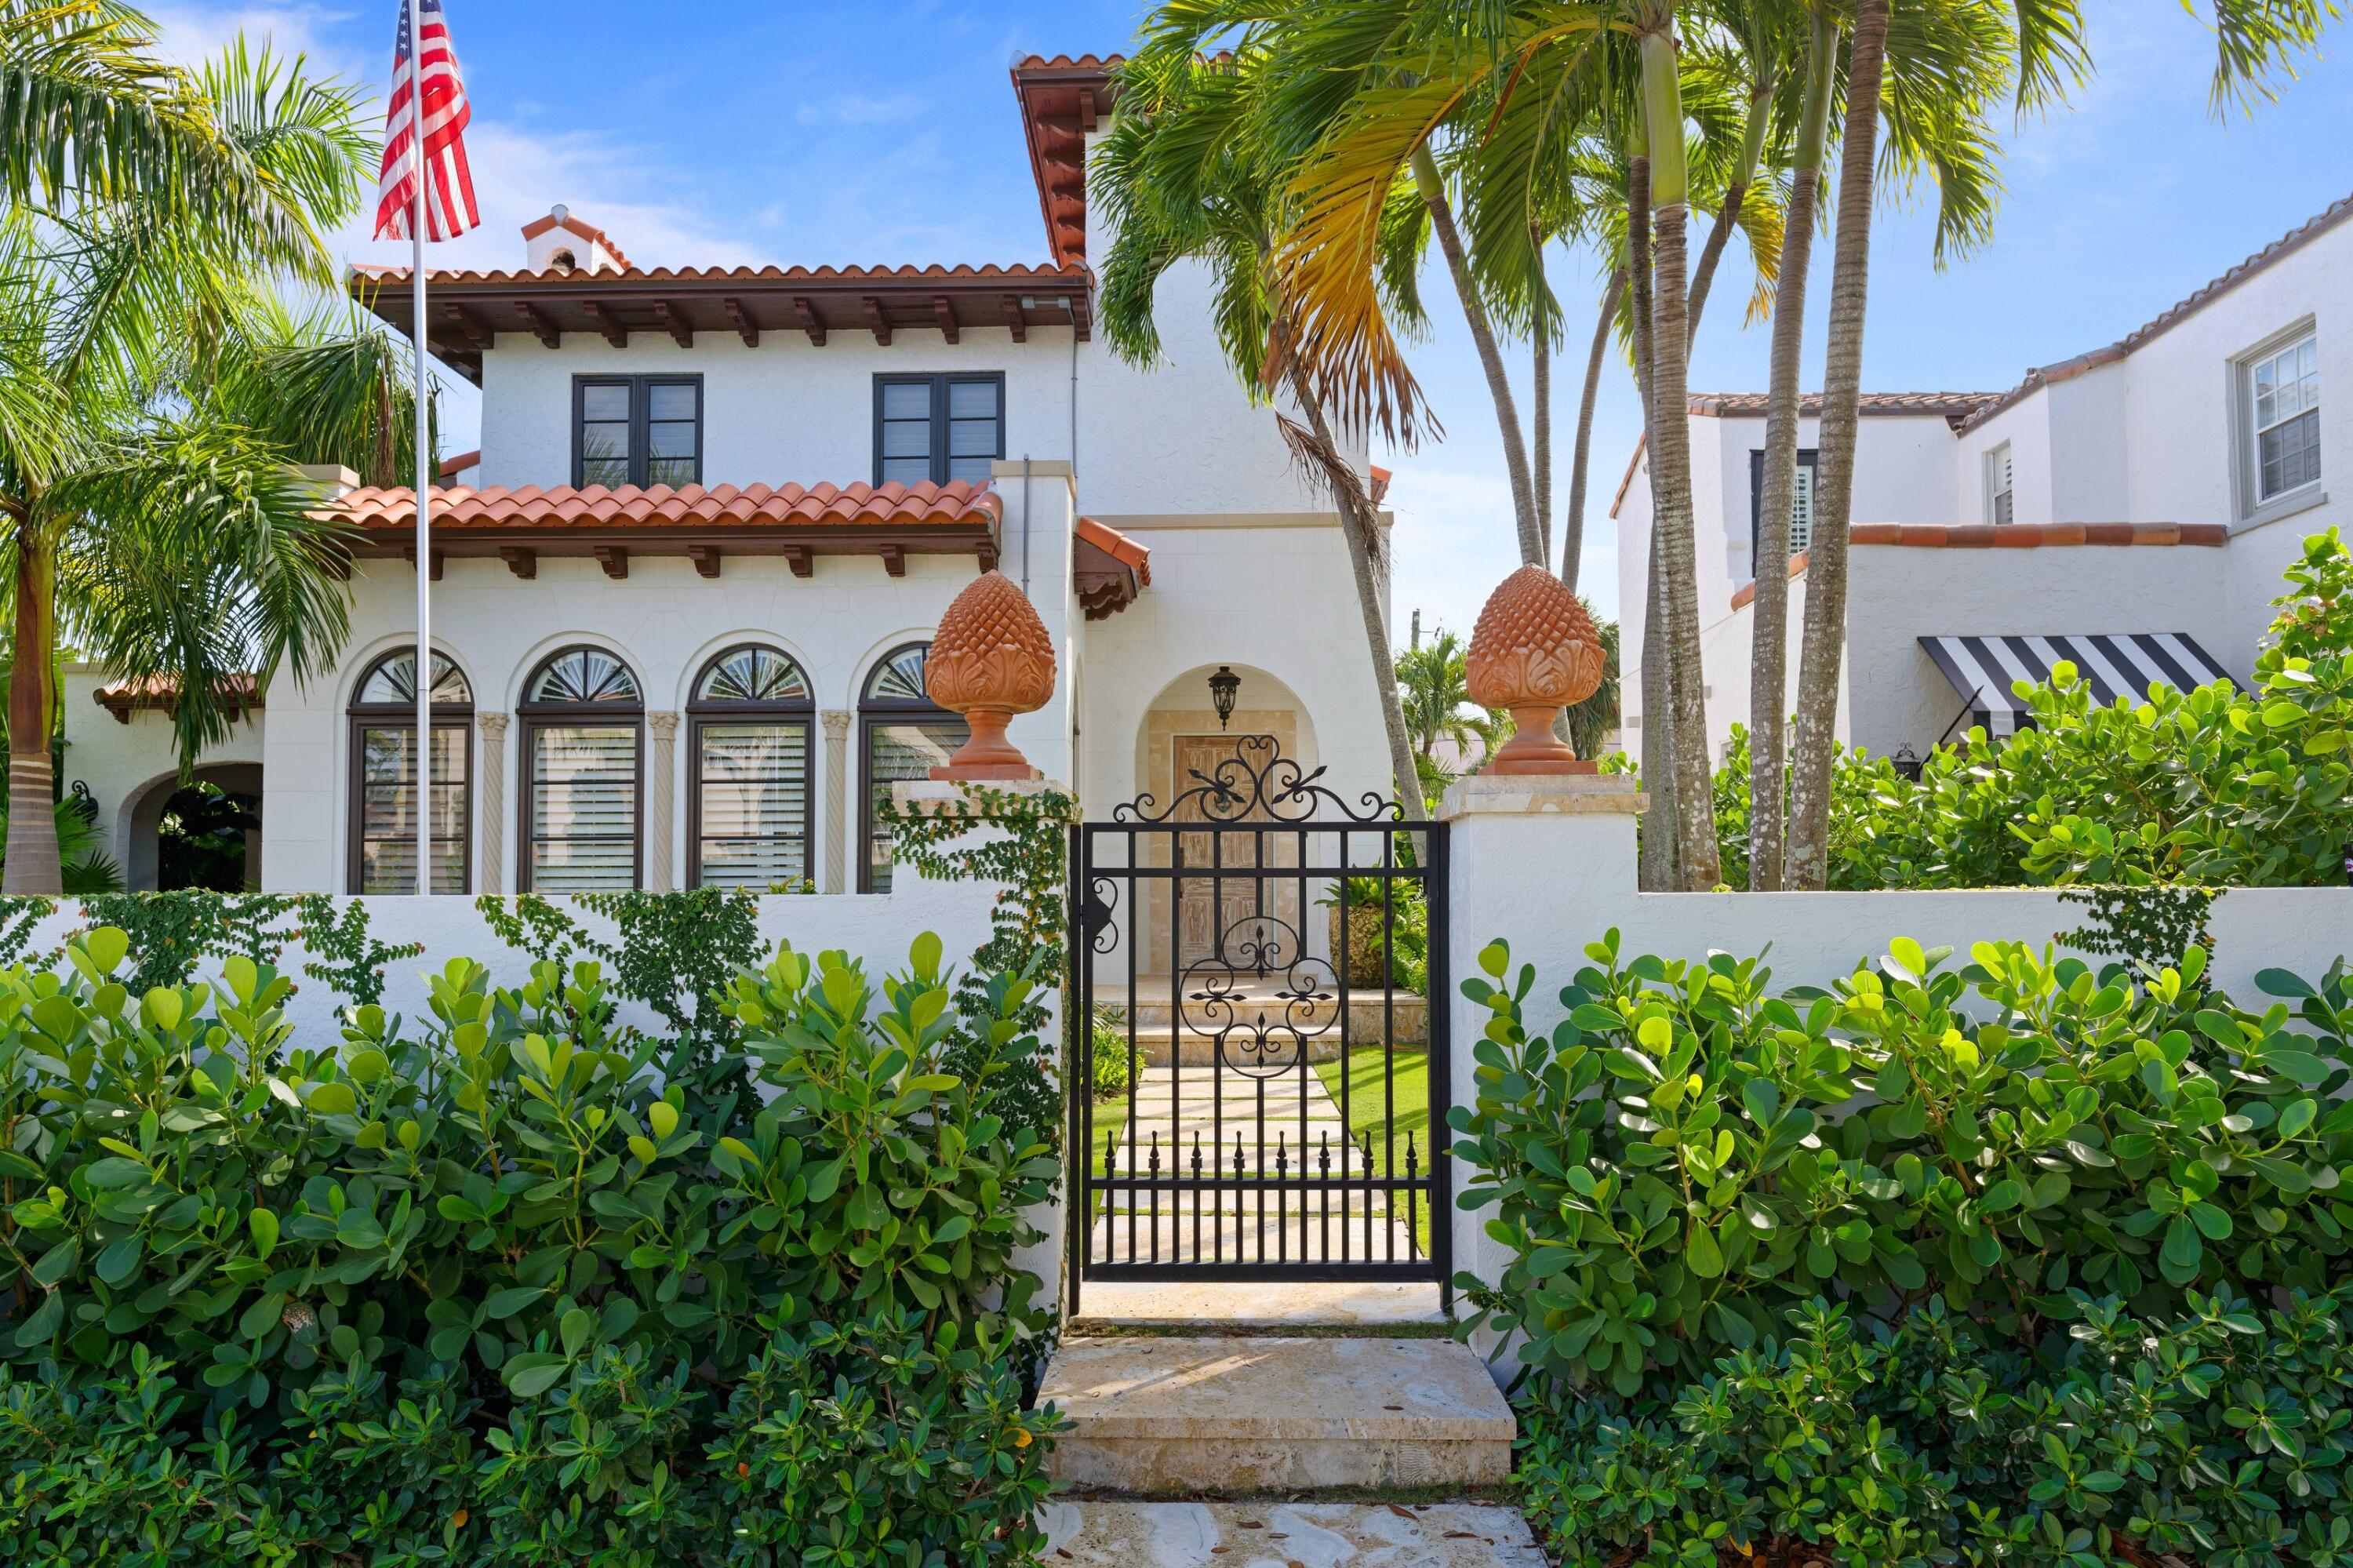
{"x": 2131, "y": 509}
{"x": 682, "y": 592}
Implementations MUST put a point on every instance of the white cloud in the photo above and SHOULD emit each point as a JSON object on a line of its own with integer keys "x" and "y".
{"x": 858, "y": 108}
{"x": 519, "y": 170}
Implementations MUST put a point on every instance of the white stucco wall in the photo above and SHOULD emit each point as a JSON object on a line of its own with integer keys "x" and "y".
{"x": 127, "y": 764}
{"x": 1897, "y": 594}
{"x": 666, "y": 621}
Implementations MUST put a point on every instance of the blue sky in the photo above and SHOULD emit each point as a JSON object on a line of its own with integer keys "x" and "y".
{"x": 884, "y": 131}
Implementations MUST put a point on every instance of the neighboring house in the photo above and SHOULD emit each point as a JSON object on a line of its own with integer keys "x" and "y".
{"x": 2131, "y": 509}
{"x": 683, "y": 592}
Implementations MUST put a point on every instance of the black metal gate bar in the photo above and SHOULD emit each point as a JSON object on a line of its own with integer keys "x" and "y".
{"x": 1250, "y": 1002}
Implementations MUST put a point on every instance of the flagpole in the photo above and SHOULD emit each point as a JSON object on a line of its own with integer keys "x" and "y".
{"x": 423, "y": 464}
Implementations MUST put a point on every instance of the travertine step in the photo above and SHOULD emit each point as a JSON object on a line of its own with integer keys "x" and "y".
{"x": 1107, "y": 1532}
{"x": 1172, "y": 1416}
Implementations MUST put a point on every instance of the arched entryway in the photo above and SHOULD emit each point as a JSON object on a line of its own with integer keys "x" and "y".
{"x": 203, "y": 831}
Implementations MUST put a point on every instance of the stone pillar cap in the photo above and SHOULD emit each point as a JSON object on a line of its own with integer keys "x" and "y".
{"x": 1538, "y": 794}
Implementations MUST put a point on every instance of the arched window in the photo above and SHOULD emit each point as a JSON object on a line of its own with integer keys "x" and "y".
{"x": 749, "y": 800}
{"x": 582, "y": 775}
{"x": 383, "y": 777}
{"x": 907, "y": 735}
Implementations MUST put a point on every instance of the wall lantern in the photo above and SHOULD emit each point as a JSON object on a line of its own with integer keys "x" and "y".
{"x": 1223, "y": 687}
{"x": 1907, "y": 762}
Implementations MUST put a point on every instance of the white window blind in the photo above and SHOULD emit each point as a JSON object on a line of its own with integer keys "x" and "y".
{"x": 584, "y": 807}
{"x": 1997, "y": 507}
{"x": 896, "y": 751}
{"x": 387, "y": 827}
{"x": 753, "y": 793}
{"x": 1801, "y": 512}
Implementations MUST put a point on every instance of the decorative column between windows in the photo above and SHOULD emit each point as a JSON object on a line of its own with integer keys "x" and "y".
{"x": 661, "y": 795}
{"x": 837, "y": 798}
{"x": 490, "y": 863}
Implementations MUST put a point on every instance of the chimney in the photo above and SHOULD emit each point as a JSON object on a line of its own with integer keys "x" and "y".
{"x": 563, "y": 243}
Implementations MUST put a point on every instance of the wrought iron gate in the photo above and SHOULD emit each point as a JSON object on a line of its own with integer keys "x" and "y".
{"x": 1252, "y": 953}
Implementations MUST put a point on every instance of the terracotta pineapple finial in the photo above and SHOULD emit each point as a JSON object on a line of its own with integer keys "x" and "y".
{"x": 990, "y": 659}
{"x": 1535, "y": 652}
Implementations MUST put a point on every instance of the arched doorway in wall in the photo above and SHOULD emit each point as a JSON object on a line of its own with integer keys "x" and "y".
{"x": 1181, "y": 738}
{"x": 203, "y": 832}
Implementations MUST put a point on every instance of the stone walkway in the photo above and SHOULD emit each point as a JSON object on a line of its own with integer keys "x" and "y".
{"x": 1118, "y": 1533}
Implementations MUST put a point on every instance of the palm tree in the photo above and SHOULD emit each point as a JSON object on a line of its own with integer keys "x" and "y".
{"x": 148, "y": 395}
{"x": 1934, "y": 120}
{"x": 93, "y": 113}
{"x": 1768, "y": 675}
{"x": 1434, "y": 683}
{"x": 1186, "y": 173}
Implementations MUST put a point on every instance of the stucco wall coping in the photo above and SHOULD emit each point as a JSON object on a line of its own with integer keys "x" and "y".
{"x": 1570, "y": 794}
{"x": 940, "y": 796}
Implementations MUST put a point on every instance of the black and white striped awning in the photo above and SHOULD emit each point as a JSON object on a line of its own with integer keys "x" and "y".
{"x": 1983, "y": 669}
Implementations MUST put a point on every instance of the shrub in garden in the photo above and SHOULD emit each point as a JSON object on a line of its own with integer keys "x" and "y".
{"x": 2213, "y": 785}
{"x": 485, "y": 1292}
{"x": 1687, "y": 1165}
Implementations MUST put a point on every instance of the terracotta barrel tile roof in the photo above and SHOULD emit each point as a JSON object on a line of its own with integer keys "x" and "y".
{"x": 240, "y": 692}
{"x": 692, "y": 506}
{"x": 1956, "y": 407}
{"x": 2033, "y": 535}
{"x": 591, "y": 282}
{"x": 1108, "y": 569}
{"x": 1127, "y": 552}
{"x": 2172, "y": 316}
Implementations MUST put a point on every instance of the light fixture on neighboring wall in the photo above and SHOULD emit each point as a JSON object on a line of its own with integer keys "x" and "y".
{"x": 1223, "y": 687}
{"x": 1906, "y": 763}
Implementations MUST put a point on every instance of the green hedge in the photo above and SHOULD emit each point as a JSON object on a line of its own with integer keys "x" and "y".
{"x": 1690, "y": 1165}
{"x": 479, "y": 1289}
{"x": 2214, "y": 786}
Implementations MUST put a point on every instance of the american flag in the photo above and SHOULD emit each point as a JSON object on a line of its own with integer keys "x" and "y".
{"x": 449, "y": 192}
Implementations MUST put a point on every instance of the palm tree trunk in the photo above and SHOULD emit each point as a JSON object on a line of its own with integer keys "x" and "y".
{"x": 1662, "y": 867}
{"x": 1818, "y": 665}
{"x": 1768, "y": 677}
{"x": 1432, "y": 186}
{"x": 32, "y": 844}
{"x": 1671, "y": 472}
{"x": 1362, "y": 531}
{"x": 1572, "y": 527}
{"x": 1735, "y": 193}
{"x": 1540, "y": 414}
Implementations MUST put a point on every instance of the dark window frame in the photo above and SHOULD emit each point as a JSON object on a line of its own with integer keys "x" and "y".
{"x": 640, "y": 453}
{"x": 1808, "y": 457}
{"x": 536, "y": 716}
{"x": 360, "y": 717}
{"x": 939, "y": 382}
{"x": 700, "y": 713}
{"x": 873, "y": 711}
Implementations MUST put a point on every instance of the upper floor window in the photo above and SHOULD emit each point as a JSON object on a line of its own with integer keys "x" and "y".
{"x": 750, "y": 712}
{"x": 2282, "y": 401}
{"x": 636, "y": 430}
{"x": 1801, "y": 508}
{"x": 907, "y": 735}
{"x": 582, "y": 722}
{"x": 937, "y": 428}
{"x": 1997, "y": 484}
{"x": 383, "y": 777}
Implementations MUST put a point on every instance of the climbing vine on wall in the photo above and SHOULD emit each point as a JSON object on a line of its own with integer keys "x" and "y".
{"x": 2150, "y": 925}
{"x": 1028, "y": 859}
{"x": 172, "y": 933}
{"x": 675, "y": 952}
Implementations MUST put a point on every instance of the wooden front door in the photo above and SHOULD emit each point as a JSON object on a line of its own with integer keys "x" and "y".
{"x": 1209, "y": 907}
